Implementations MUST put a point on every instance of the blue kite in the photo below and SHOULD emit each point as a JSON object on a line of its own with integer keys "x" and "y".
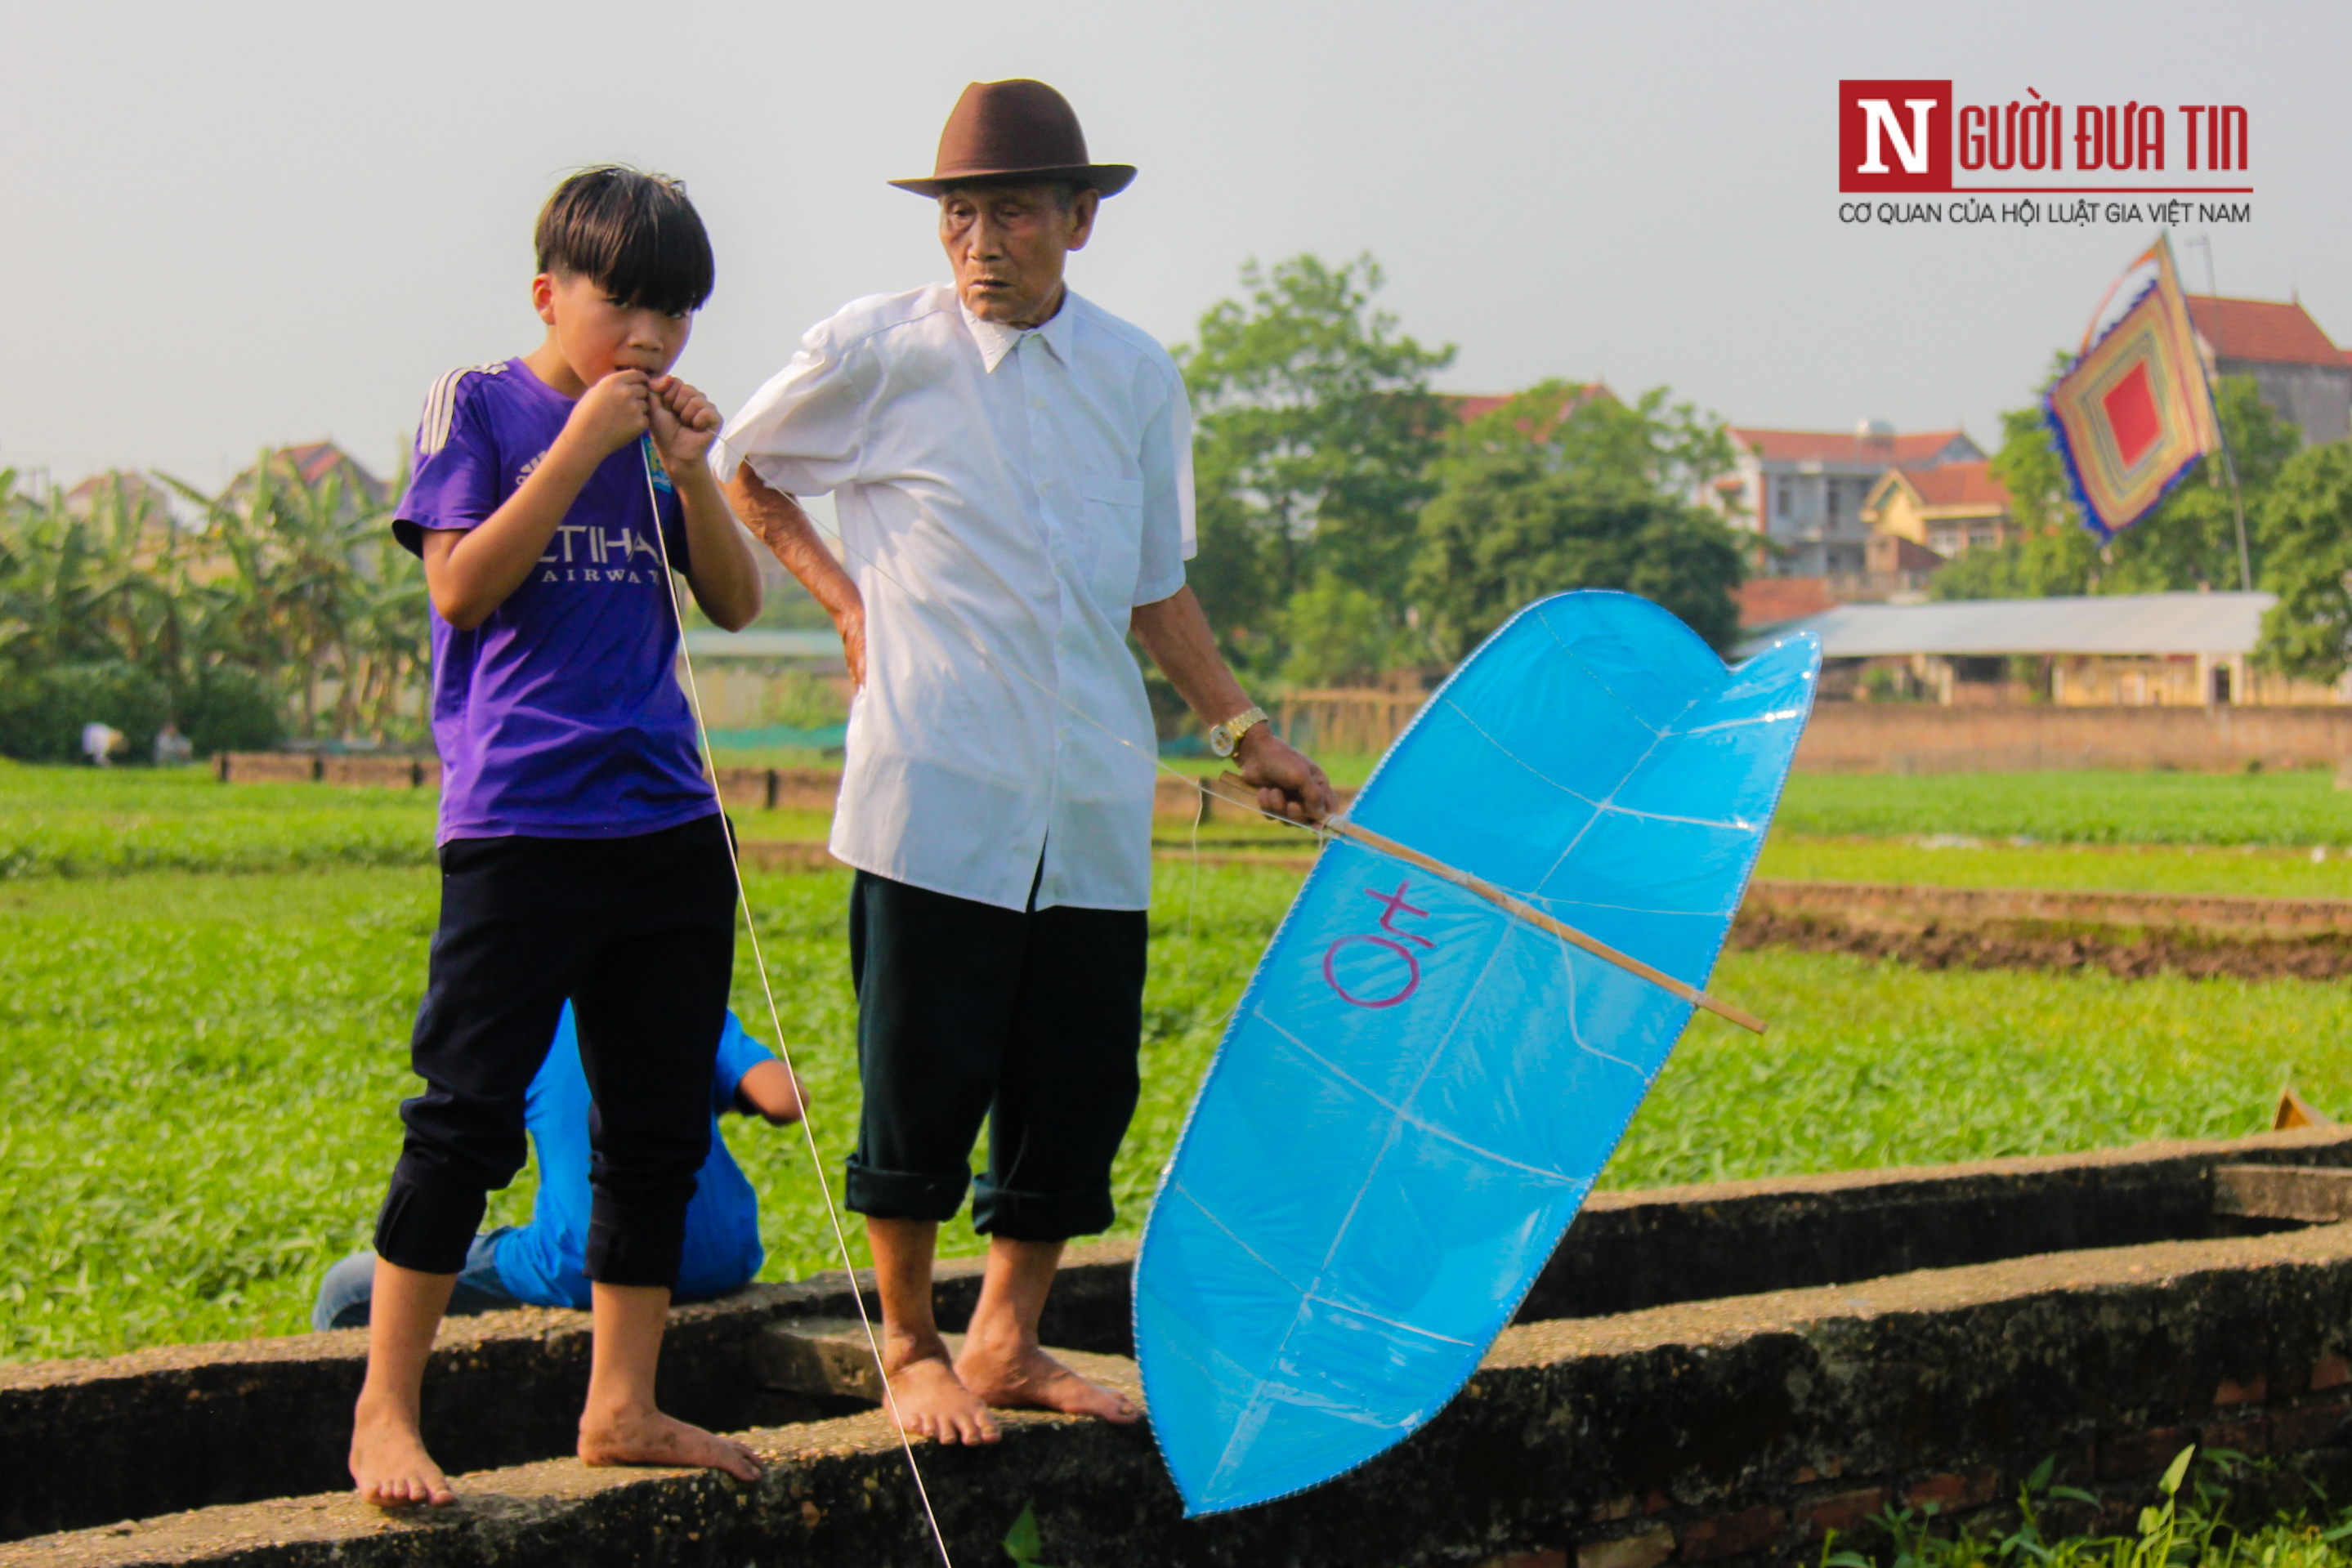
{"x": 1448, "y": 1035}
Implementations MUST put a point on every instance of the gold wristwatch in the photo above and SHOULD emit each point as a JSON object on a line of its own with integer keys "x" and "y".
{"x": 1226, "y": 739}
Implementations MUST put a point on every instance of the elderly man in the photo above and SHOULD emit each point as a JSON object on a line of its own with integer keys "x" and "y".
{"x": 1013, "y": 470}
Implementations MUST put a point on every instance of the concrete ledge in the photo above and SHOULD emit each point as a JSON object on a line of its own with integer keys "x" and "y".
{"x": 2313, "y": 1194}
{"x": 179, "y": 1427}
{"x": 1629, "y": 1250}
{"x": 1730, "y": 1431}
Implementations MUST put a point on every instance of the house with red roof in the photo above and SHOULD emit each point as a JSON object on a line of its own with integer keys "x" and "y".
{"x": 1468, "y": 406}
{"x": 2304, "y": 378}
{"x": 1951, "y": 508}
{"x": 311, "y": 464}
{"x": 1803, "y": 490}
{"x": 135, "y": 493}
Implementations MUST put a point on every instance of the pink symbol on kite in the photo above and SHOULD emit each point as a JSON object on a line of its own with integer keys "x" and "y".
{"x": 1394, "y": 941}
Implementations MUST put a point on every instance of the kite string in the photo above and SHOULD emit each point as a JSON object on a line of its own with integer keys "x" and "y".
{"x": 1322, "y": 831}
{"x": 775, "y": 1018}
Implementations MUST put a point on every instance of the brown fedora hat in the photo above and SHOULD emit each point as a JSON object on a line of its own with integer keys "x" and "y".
{"x": 1017, "y": 130}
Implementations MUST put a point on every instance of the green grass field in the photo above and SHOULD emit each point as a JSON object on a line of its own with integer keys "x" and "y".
{"x": 204, "y": 1059}
{"x": 2302, "y": 807}
{"x": 72, "y": 822}
{"x": 203, "y": 1071}
{"x": 1961, "y": 828}
{"x": 2250, "y": 869}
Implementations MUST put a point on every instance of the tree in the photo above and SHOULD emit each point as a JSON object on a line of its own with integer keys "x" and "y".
{"x": 319, "y": 595}
{"x": 1337, "y": 634}
{"x": 1314, "y": 430}
{"x": 284, "y": 593}
{"x": 2189, "y": 542}
{"x": 2307, "y": 562}
{"x": 1556, "y": 490}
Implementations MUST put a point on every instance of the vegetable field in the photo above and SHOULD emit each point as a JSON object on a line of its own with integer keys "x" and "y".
{"x": 2301, "y": 806}
{"x": 205, "y": 993}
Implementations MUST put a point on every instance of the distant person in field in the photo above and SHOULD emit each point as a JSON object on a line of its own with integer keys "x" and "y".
{"x": 1013, "y": 468}
{"x": 171, "y": 747}
{"x": 99, "y": 742}
{"x": 543, "y": 1264}
{"x": 582, "y": 853}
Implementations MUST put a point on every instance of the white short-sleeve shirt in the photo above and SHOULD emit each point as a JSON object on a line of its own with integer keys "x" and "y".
{"x": 1005, "y": 497}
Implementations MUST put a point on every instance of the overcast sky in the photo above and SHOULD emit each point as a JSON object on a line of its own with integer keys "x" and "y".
{"x": 226, "y": 227}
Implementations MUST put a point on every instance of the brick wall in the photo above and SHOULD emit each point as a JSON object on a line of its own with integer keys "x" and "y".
{"x": 1909, "y": 737}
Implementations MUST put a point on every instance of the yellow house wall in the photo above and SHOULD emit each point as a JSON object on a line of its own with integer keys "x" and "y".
{"x": 2181, "y": 681}
{"x": 1899, "y": 516}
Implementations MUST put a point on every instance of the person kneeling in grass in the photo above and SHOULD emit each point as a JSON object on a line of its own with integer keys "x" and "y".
{"x": 542, "y": 1264}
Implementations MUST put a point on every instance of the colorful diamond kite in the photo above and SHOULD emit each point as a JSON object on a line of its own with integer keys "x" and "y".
{"x": 2133, "y": 413}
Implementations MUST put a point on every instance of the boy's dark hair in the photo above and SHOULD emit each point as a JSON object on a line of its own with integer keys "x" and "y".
{"x": 634, "y": 233}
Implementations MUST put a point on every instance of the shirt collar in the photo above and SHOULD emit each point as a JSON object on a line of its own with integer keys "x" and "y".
{"x": 997, "y": 339}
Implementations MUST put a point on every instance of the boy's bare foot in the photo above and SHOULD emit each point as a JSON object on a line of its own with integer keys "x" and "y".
{"x": 644, "y": 1436}
{"x": 390, "y": 1465}
{"x": 1025, "y": 1377}
{"x": 932, "y": 1401}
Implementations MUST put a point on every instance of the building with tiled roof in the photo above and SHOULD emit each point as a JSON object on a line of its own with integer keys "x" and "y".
{"x": 1468, "y": 406}
{"x": 1951, "y": 508}
{"x": 1803, "y": 490}
{"x": 1872, "y": 444}
{"x": 149, "y": 509}
{"x": 312, "y": 463}
{"x": 134, "y": 493}
{"x": 2303, "y": 376}
{"x": 2119, "y": 650}
{"x": 1768, "y": 602}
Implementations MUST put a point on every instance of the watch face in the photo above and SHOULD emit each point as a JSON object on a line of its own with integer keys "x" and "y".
{"x": 1221, "y": 741}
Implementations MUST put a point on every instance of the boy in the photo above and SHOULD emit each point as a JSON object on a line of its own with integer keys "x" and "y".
{"x": 539, "y": 1264}
{"x": 582, "y": 854}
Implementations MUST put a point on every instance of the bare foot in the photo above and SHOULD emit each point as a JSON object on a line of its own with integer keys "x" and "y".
{"x": 1025, "y": 1377}
{"x": 390, "y": 1464}
{"x": 931, "y": 1401}
{"x": 646, "y": 1436}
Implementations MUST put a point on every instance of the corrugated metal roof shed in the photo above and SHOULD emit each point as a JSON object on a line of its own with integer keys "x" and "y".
{"x": 2119, "y": 623}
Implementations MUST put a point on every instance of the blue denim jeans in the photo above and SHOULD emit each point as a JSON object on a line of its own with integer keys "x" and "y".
{"x": 343, "y": 1294}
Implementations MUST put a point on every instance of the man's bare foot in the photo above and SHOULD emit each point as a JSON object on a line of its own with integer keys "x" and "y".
{"x": 931, "y": 1401}
{"x": 646, "y": 1436}
{"x": 1024, "y": 1377}
{"x": 389, "y": 1462}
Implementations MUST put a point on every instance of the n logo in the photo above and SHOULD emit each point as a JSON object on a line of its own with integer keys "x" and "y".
{"x": 1895, "y": 136}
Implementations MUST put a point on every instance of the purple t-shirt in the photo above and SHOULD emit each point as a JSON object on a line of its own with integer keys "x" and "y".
{"x": 560, "y": 715}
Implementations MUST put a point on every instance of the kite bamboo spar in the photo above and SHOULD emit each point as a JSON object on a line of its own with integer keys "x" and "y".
{"x": 1235, "y": 791}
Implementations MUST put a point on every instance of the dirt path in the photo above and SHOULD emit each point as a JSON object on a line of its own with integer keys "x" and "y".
{"x": 2131, "y": 934}
{"x": 2132, "y": 952}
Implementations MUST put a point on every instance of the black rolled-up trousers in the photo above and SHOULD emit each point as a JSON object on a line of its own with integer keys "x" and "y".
{"x": 639, "y": 934}
{"x": 1032, "y": 1019}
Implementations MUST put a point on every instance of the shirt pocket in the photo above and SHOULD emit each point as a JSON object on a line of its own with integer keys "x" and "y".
{"x": 1110, "y": 537}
